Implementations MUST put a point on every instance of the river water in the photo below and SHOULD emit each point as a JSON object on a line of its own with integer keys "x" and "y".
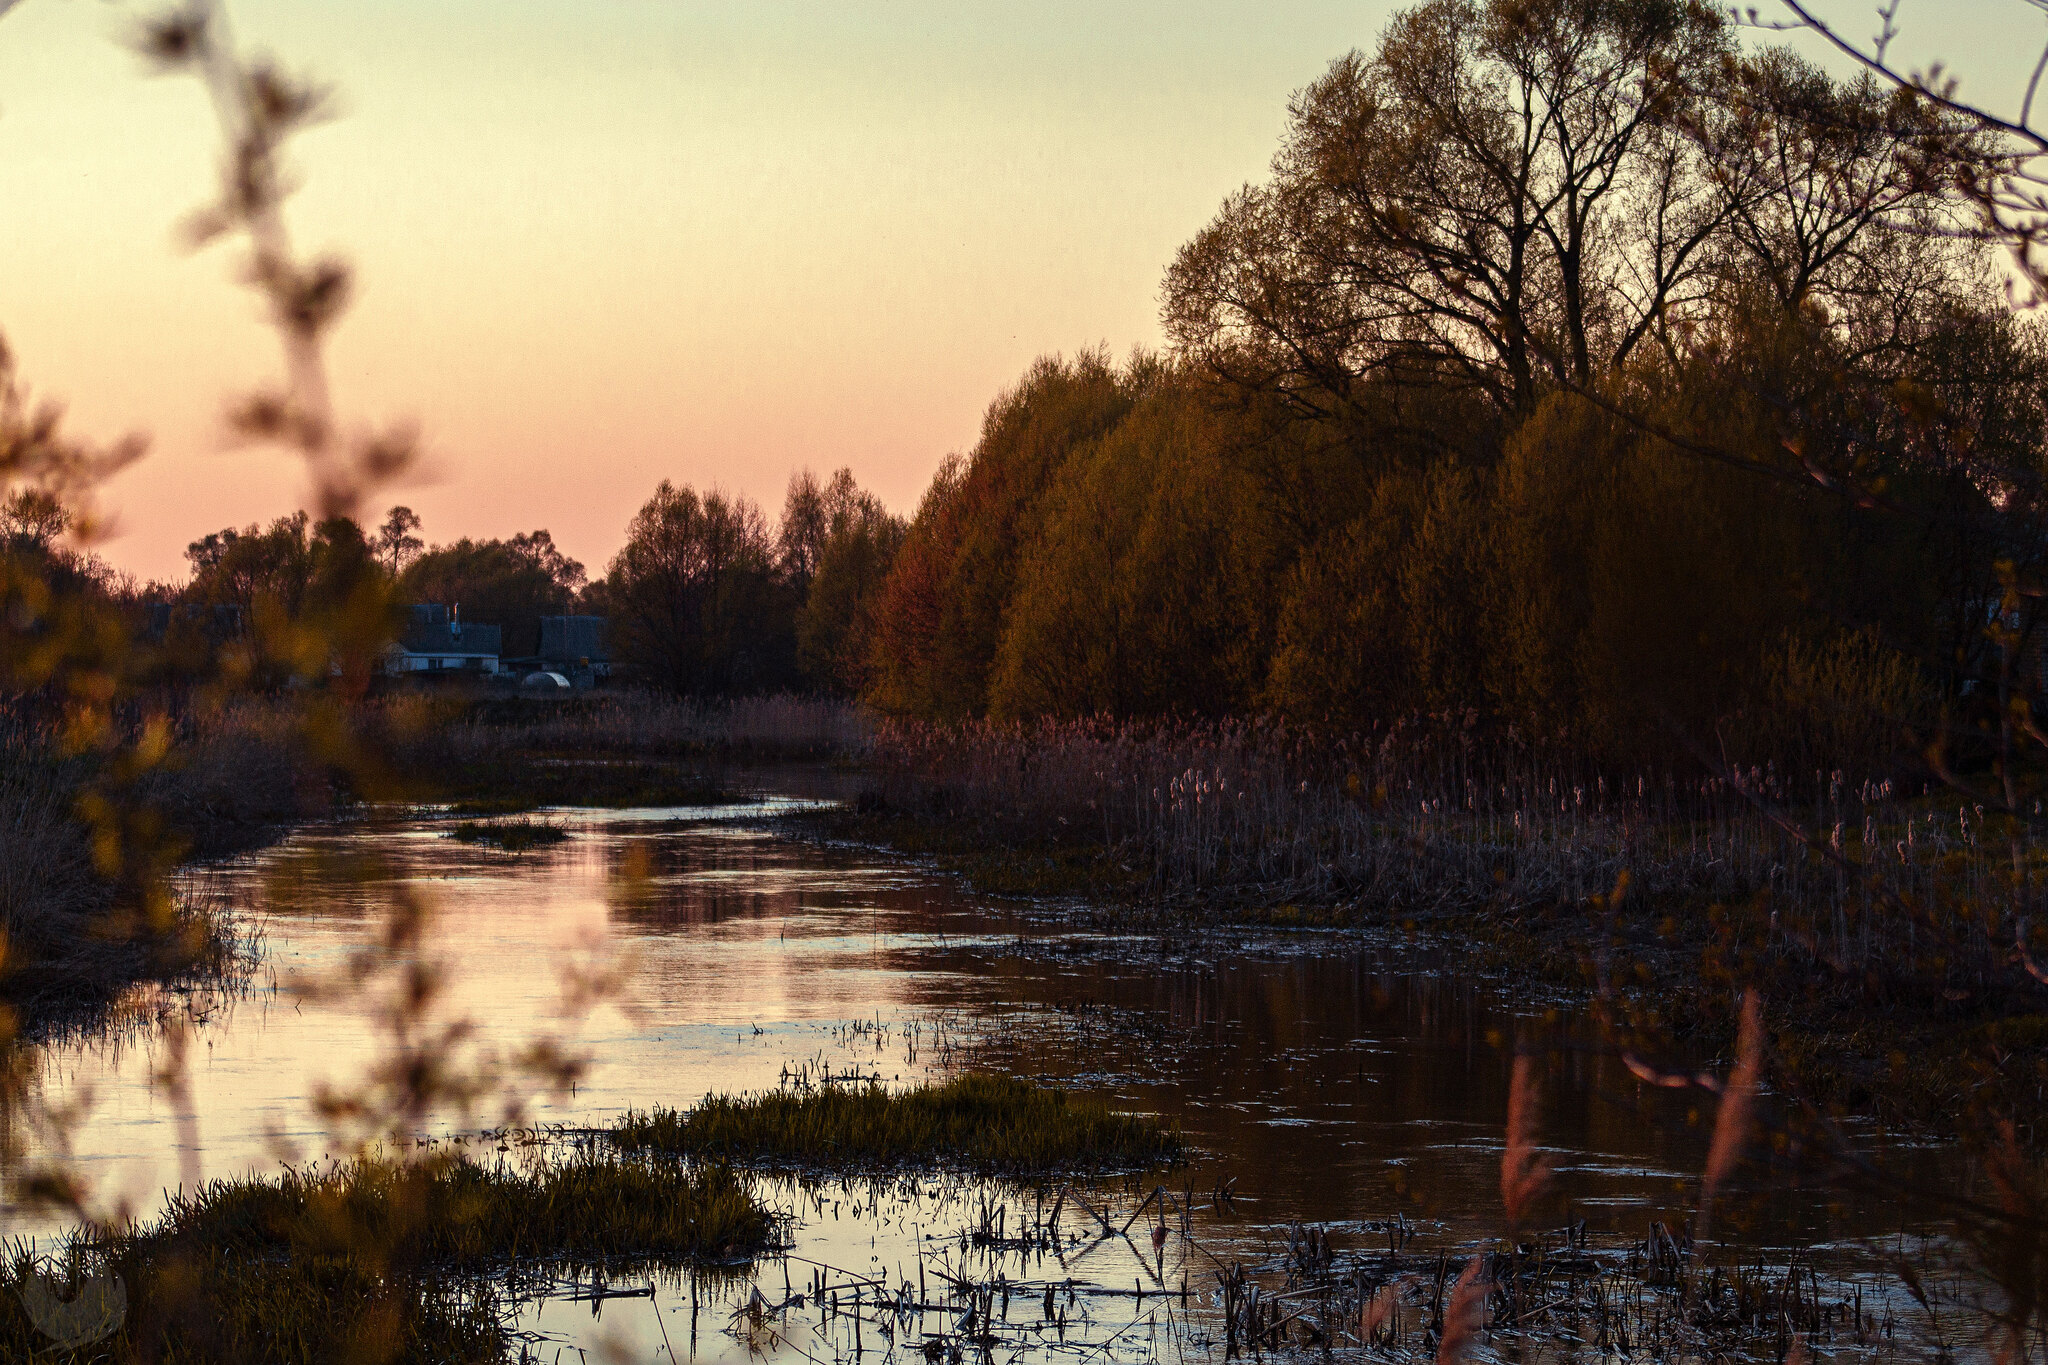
{"x": 1320, "y": 1079}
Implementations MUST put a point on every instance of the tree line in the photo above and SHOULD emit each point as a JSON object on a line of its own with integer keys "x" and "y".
{"x": 1577, "y": 366}
{"x": 705, "y": 598}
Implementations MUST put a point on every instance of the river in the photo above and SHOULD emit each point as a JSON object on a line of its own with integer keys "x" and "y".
{"x": 1320, "y": 1078}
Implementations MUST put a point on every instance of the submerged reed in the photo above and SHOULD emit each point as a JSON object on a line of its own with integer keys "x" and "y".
{"x": 513, "y": 836}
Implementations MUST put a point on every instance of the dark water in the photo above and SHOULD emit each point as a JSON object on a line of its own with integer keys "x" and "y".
{"x": 1335, "y": 1080}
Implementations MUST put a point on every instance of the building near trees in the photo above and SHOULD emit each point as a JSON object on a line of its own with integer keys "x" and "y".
{"x": 575, "y": 646}
{"x": 437, "y": 642}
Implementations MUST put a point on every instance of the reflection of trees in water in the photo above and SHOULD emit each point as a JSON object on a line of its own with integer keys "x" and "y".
{"x": 1353, "y": 1083}
{"x": 717, "y": 874}
{"x": 1335, "y": 1079}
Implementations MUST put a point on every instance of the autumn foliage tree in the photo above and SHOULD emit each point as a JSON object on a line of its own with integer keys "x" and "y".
{"x": 1577, "y": 365}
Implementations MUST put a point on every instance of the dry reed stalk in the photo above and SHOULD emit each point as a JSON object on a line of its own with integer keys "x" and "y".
{"x": 1524, "y": 1170}
{"x": 1380, "y": 1308}
{"x": 1738, "y": 1096}
{"x": 1464, "y": 1313}
{"x": 1423, "y": 818}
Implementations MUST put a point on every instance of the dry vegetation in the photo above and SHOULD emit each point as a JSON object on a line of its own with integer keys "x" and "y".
{"x": 1878, "y": 920}
{"x": 373, "y": 1261}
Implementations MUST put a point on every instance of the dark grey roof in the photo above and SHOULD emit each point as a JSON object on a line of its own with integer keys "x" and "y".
{"x": 572, "y": 639}
{"x": 432, "y": 631}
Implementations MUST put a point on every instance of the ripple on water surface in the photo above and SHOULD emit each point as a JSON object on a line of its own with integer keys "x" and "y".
{"x": 689, "y": 951}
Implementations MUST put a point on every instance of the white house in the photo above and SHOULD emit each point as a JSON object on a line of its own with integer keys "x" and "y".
{"x": 436, "y": 641}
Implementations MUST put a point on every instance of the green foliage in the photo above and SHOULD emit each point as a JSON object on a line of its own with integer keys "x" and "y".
{"x": 1129, "y": 593}
{"x": 854, "y": 540}
{"x": 997, "y": 1124}
{"x": 944, "y": 608}
{"x": 1125, "y": 542}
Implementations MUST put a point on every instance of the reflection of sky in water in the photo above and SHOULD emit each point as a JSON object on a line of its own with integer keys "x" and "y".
{"x": 1332, "y": 1081}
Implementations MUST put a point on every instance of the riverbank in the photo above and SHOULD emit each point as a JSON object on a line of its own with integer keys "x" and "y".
{"x": 1662, "y": 970}
{"x": 89, "y": 905}
{"x": 91, "y": 836}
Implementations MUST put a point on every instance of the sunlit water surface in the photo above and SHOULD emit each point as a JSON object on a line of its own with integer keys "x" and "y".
{"x": 1335, "y": 1080}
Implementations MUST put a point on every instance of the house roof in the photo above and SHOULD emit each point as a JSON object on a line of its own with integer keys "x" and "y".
{"x": 567, "y": 639}
{"x": 431, "y": 630}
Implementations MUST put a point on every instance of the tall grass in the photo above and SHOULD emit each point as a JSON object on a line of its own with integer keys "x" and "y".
{"x": 371, "y": 1260}
{"x": 1432, "y": 816}
{"x": 638, "y": 723}
{"x": 75, "y": 931}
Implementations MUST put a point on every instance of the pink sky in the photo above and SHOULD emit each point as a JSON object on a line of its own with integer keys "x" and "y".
{"x": 599, "y": 245}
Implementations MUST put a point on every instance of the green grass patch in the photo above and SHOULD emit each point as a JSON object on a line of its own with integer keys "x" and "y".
{"x": 370, "y": 1261}
{"x": 990, "y": 1124}
{"x": 514, "y": 836}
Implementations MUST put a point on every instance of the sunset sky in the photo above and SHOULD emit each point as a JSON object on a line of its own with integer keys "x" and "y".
{"x": 604, "y": 243}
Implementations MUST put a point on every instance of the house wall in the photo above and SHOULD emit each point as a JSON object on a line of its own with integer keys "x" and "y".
{"x": 406, "y": 662}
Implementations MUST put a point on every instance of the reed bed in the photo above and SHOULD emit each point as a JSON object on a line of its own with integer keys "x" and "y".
{"x": 637, "y": 723}
{"x": 985, "y": 1123}
{"x": 1427, "y": 817}
{"x": 1140, "y": 1273}
{"x": 76, "y": 936}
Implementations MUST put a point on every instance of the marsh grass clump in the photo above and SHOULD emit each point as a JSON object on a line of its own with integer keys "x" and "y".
{"x": 458, "y": 1214}
{"x": 77, "y": 934}
{"x": 378, "y": 1261}
{"x": 513, "y": 836}
{"x": 990, "y": 1124}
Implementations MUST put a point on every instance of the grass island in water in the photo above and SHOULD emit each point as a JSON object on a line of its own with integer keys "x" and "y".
{"x": 991, "y": 1124}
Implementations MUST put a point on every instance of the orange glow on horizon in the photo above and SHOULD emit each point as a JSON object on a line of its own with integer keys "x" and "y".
{"x": 596, "y": 248}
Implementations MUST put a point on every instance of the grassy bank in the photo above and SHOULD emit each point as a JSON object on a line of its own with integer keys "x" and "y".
{"x": 988, "y": 1124}
{"x": 1883, "y": 944}
{"x": 378, "y": 1262}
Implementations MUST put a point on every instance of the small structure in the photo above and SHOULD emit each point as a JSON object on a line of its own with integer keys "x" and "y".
{"x": 575, "y": 646}
{"x": 544, "y": 681}
{"x": 437, "y": 643}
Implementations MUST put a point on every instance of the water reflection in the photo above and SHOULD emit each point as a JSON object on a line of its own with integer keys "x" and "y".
{"x": 1333, "y": 1080}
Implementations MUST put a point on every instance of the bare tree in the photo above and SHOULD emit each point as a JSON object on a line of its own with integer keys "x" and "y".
{"x": 396, "y": 544}
{"x": 1502, "y": 188}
